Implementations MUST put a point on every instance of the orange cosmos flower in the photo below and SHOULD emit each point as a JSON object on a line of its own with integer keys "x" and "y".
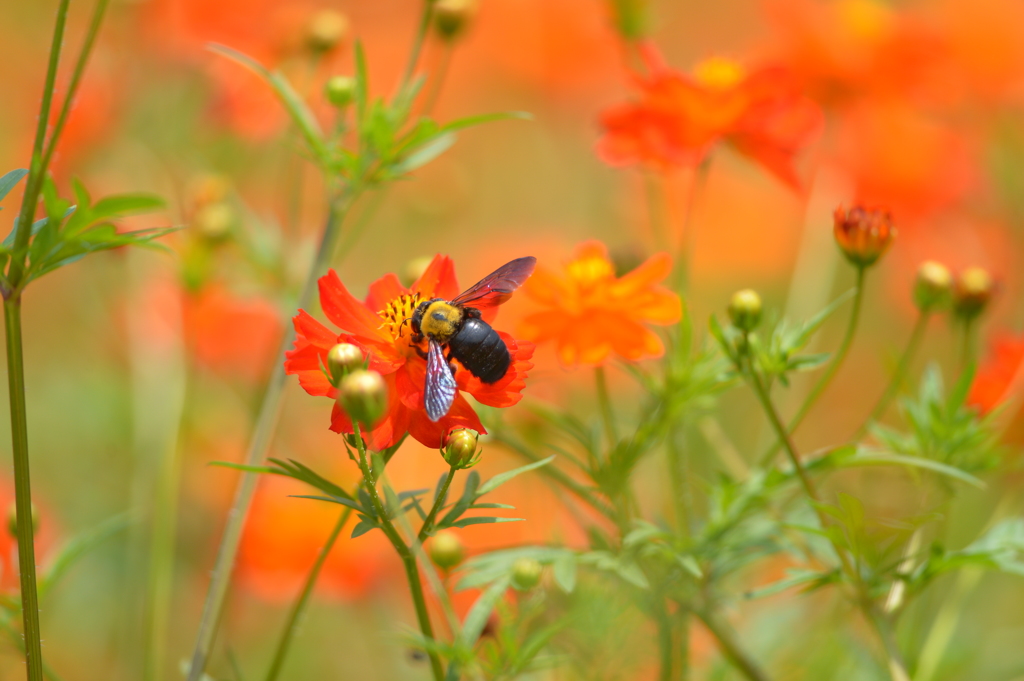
{"x": 999, "y": 374}
{"x": 592, "y": 313}
{"x": 378, "y": 326}
{"x": 678, "y": 117}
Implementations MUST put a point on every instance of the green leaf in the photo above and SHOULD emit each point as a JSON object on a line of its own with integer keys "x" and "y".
{"x": 247, "y": 468}
{"x": 425, "y": 154}
{"x": 471, "y": 121}
{"x": 868, "y": 458}
{"x": 500, "y": 479}
{"x": 78, "y": 547}
{"x": 334, "y": 500}
{"x": 476, "y": 618}
{"x": 483, "y": 520}
{"x": 10, "y": 180}
{"x": 362, "y": 527}
{"x": 564, "y": 570}
{"x": 303, "y": 473}
{"x": 810, "y": 579}
{"x": 815, "y": 322}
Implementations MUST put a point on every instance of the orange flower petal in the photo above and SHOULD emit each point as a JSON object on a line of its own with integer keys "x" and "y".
{"x": 385, "y": 289}
{"x": 438, "y": 280}
{"x": 348, "y": 313}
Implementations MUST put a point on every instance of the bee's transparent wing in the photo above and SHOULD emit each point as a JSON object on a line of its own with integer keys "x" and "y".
{"x": 497, "y": 287}
{"x": 439, "y": 389}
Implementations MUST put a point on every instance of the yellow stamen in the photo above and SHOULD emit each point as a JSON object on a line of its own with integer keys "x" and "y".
{"x": 397, "y": 312}
{"x": 719, "y": 73}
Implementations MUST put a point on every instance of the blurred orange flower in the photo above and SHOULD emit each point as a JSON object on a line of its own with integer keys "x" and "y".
{"x": 378, "y": 327}
{"x": 591, "y": 313}
{"x": 999, "y": 374}
{"x": 679, "y": 117}
{"x": 284, "y": 536}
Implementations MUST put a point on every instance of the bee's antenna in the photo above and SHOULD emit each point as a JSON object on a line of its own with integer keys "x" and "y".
{"x": 400, "y": 326}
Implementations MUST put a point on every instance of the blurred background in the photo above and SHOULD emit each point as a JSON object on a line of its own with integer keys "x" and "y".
{"x": 144, "y": 365}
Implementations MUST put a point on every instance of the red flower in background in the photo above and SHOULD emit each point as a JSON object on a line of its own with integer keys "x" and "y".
{"x": 678, "y": 117}
{"x": 999, "y": 374}
{"x": 378, "y": 327}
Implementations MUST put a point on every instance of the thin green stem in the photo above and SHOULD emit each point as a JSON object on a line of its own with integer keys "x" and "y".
{"x": 605, "y": 404}
{"x": 37, "y": 169}
{"x": 665, "y": 644}
{"x": 417, "y": 44}
{"x": 684, "y": 258}
{"x": 657, "y": 211}
{"x": 968, "y": 352}
{"x": 404, "y": 552}
{"x": 76, "y": 78}
{"x": 730, "y": 646}
{"x": 266, "y": 422}
{"x": 428, "y": 522}
{"x": 906, "y": 359}
{"x": 880, "y": 622}
{"x": 299, "y": 606}
{"x": 430, "y": 101}
{"x": 23, "y": 488}
{"x": 830, "y": 372}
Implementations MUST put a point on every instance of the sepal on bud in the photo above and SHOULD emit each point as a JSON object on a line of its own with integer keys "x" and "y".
{"x": 343, "y": 359}
{"x": 745, "y": 310}
{"x": 364, "y": 396}
{"x": 460, "y": 450}
{"x": 972, "y": 292}
{"x": 933, "y": 287}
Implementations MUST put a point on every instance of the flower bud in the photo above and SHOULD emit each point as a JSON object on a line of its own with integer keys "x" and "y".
{"x": 325, "y": 30}
{"x": 340, "y": 91}
{"x": 12, "y": 520}
{"x": 526, "y": 573}
{"x": 214, "y": 220}
{"x": 460, "y": 449}
{"x": 972, "y": 292}
{"x": 863, "y": 234}
{"x": 343, "y": 359}
{"x": 364, "y": 396}
{"x": 452, "y": 16}
{"x": 933, "y": 288}
{"x": 745, "y": 309}
{"x": 446, "y": 550}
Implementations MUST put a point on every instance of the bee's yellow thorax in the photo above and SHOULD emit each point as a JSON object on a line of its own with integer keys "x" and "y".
{"x": 440, "y": 321}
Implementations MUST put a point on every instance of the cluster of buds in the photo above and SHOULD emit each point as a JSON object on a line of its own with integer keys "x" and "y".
{"x": 968, "y": 294}
{"x": 460, "y": 450}
{"x": 863, "y": 234}
{"x": 361, "y": 392}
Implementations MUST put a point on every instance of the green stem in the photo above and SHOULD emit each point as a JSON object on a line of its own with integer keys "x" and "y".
{"x": 916, "y": 336}
{"x": 76, "y": 78}
{"x": 605, "y": 404}
{"x": 687, "y": 239}
{"x": 731, "y": 648}
{"x": 266, "y": 421}
{"x": 897, "y": 668}
{"x": 23, "y": 488}
{"x": 657, "y": 211}
{"x": 438, "y": 83}
{"x": 428, "y": 522}
{"x": 404, "y": 552}
{"x": 37, "y": 170}
{"x": 665, "y": 644}
{"x": 967, "y": 349}
{"x": 300, "y": 603}
{"x": 830, "y": 372}
{"x": 417, "y": 45}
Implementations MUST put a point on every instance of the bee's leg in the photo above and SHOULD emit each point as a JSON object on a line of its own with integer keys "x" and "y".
{"x": 451, "y": 364}
{"x": 420, "y": 351}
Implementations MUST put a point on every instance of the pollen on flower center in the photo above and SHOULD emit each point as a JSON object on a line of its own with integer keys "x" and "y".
{"x": 719, "y": 73}
{"x": 396, "y": 315}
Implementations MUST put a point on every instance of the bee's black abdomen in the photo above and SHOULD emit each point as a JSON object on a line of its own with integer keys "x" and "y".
{"x": 481, "y": 350}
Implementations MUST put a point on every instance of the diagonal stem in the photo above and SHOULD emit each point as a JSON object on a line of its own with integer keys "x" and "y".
{"x": 428, "y": 522}
{"x": 916, "y": 336}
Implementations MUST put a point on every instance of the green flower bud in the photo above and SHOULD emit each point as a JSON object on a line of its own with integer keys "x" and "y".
{"x": 340, "y": 91}
{"x": 214, "y": 221}
{"x": 326, "y": 30}
{"x": 933, "y": 288}
{"x": 972, "y": 292}
{"x": 460, "y": 449}
{"x": 12, "y": 520}
{"x": 343, "y": 359}
{"x": 745, "y": 309}
{"x": 526, "y": 573}
{"x": 364, "y": 396}
{"x": 452, "y": 16}
{"x": 446, "y": 550}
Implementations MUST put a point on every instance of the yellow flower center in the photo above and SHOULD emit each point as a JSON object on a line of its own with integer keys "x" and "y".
{"x": 867, "y": 19}
{"x": 397, "y": 313}
{"x": 719, "y": 73}
{"x": 588, "y": 271}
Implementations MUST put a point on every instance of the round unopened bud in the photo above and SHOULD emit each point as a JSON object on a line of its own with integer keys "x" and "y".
{"x": 863, "y": 234}
{"x": 461, "y": 448}
{"x": 343, "y": 359}
{"x": 933, "y": 288}
{"x": 446, "y": 550}
{"x": 972, "y": 292}
{"x": 364, "y": 396}
{"x": 452, "y": 16}
{"x": 12, "y": 520}
{"x": 215, "y": 220}
{"x": 326, "y": 30}
{"x": 340, "y": 91}
{"x": 745, "y": 309}
{"x": 526, "y": 573}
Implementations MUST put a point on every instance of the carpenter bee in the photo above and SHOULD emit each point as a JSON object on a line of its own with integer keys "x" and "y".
{"x": 457, "y": 324}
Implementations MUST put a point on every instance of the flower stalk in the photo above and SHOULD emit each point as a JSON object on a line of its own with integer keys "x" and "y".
{"x": 428, "y": 522}
{"x": 605, "y": 404}
{"x": 906, "y": 359}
